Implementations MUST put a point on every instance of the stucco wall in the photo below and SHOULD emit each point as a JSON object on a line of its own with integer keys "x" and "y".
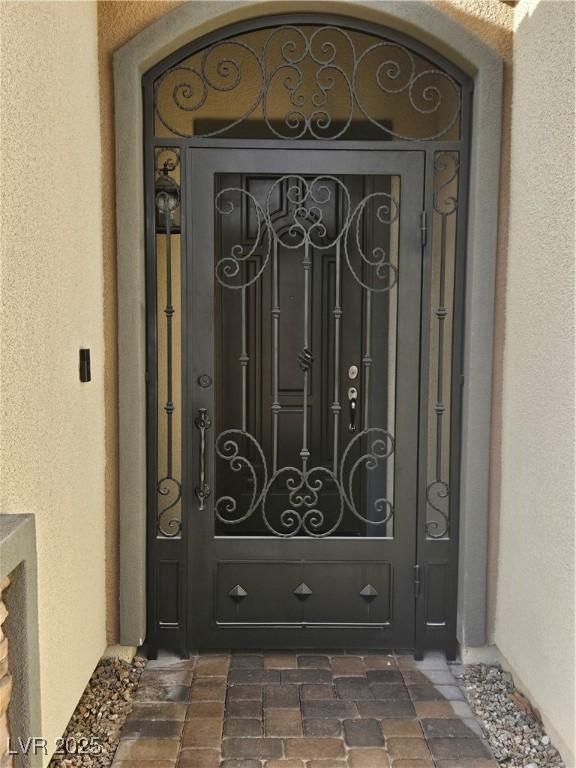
{"x": 52, "y": 426}
{"x": 118, "y": 22}
{"x": 535, "y": 599}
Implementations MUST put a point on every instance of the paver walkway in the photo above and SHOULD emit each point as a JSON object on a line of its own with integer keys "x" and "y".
{"x": 301, "y": 710}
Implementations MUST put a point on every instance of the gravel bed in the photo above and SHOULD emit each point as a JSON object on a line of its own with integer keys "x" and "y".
{"x": 100, "y": 715}
{"x": 511, "y": 726}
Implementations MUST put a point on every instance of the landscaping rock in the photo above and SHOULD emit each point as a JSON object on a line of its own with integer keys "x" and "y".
{"x": 512, "y": 727}
{"x": 93, "y": 732}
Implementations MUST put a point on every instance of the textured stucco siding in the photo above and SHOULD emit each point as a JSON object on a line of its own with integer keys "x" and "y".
{"x": 52, "y": 426}
{"x": 535, "y": 599}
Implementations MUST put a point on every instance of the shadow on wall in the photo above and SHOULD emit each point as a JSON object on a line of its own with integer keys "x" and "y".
{"x": 493, "y": 23}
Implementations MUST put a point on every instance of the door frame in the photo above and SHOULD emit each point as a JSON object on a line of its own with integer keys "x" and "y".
{"x": 485, "y": 69}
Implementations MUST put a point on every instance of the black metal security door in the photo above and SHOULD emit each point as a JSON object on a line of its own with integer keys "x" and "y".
{"x": 306, "y": 194}
{"x": 304, "y": 284}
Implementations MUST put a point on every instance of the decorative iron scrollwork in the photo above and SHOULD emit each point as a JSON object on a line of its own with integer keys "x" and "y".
{"x": 290, "y": 499}
{"x": 307, "y": 82}
{"x": 302, "y": 488}
{"x": 309, "y": 200}
{"x": 305, "y": 360}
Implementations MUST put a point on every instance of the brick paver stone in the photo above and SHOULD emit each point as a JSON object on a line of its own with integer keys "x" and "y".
{"x": 203, "y": 732}
{"x": 241, "y": 763}
{"x": 152, "y": 729}
{"x": 255, "y": 748}
{"x": 207, "y": 689}
{"x": 368, "y": 758}
{"x": 282, "y": 697}
{"x": 389, "y": 708}
{"x": 445, "y": 728}
{"x": 149, "y": 764}
{"x": 455, "y": 748}
{"x": 248, "y": 676}
{"x": 205, "y": 709}
{"x": 327, "y": 764}
{"x": 283, "y": 722}
{"x": 147, "y": 749}
{"x": 363, "y": 733}
{"x": 323, "y": 709}
{"x": 322, "y": 726}
{"x": 315, "y": 662}
{"x": 242, "y": 726}
{"x": 284, "y": 764}
{"x": 244, "y": 709}
{"x": 212, "y": 666}
{"x": 163, "y": 677}
{"x": 348, "y": 666}
{"x": 384, "y": 676}
{"x": 405, "y": 728}
{"x": 329, "y": 708}
{"x": 306, "y": 676}
{"x": 279, "y": 661}
{"x": 165, "y": 710}
{"x": 399, "y": 747}
{"x": 473, "y": 762}
{"x": 245, "y": 693}
{"x": 152, "y": 691}
{"x": 247, "y": 661}
{"x": 314, "y": 748}
{"x": 317, "y": 692}
{"x": 196, "y": 758}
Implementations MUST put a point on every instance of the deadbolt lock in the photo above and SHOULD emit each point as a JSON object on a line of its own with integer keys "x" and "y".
{"x": 352, "y": 403}
{"x": 352, "y": 372}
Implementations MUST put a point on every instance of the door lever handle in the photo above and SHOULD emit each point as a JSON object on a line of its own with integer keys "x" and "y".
{"x": 202, "y": 490}
{"x": 352, "y": 402}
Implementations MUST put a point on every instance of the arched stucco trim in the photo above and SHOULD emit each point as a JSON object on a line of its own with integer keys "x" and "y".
{"x": 429, "y": 25}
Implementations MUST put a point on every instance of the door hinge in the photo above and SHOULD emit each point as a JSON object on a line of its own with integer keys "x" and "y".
{"x": 417, "y": 582}
{"x": 423, "y": 228}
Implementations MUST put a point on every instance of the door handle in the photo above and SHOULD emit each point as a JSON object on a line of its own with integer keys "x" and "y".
{"x": 352, "y": 403}
{"x": 203, "y": 423}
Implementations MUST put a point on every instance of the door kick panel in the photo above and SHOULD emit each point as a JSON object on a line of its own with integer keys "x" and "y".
{"x": 272, "y": 592}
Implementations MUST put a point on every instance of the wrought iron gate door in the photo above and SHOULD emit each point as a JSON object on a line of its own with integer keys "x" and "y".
{"x": 302, "y": 369}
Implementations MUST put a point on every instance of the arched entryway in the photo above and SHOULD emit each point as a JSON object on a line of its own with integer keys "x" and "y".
{"x": 307, "y": 182}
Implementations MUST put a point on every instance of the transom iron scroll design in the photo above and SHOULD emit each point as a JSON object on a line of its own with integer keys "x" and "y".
{"x": 305, "y": 81}
{"x": 304, "y": 226}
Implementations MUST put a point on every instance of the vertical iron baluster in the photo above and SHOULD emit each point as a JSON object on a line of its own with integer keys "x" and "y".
{"x": 244, "y": 359}
{"x": 441, "y": 313}
{"x": 337, "y": 314}
{"x": 168, "y": 488}
{"x": 306, "y": 263}
{"x": 276, "y": 362}
{"x": 169, "y": 312}
{"x": 367, "y": 357}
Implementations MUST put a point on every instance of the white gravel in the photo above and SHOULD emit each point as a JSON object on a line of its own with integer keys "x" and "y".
{"x": 93, "y": 732}
{"x": 511, "y": 726}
